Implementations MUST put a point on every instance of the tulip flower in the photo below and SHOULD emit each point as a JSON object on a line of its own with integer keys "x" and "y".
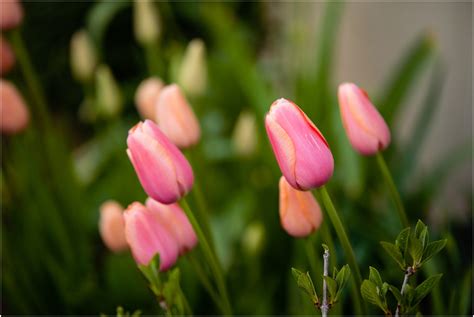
{"x": 7, "y": 59}
{"x": 14, "y": 113}
{"x": 146, "y": 97}
{"x": 146, "y": 21}
{"x": 300, "y": 213}
{"x": 83, "y": 56}
{"x": 109, "y": 96}
{"x": 176, "y": 118}
{"x": 192, "y": 74}
{"x": 176, "y": 221}
{"x": 301, "y": 150}
{"x": 244, "y": 138}
{"x": 162, "y": 169}
{"x": 11, "y": 14}
{"x": 147, "y": 236}
{"x": 365, "y": 127}
{"x": 112, "y": 226}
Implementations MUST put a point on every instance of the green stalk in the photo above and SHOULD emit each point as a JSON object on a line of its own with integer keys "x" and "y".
{"x": 210, "y": 256}
{"x": 346, "y": 245}
{"x": 152, "y": 59}
{"x": 311, "y": 256}
{"x": 393, "y": 190}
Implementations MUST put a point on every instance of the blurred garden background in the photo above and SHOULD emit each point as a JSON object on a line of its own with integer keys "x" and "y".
{"x": 414, "y": 59}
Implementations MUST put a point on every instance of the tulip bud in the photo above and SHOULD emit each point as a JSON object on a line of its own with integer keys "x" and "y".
{"x": 301, "y": 150}
{"x": 11, "y": 14}
{"x": 147, "y": 236}
{"x": 253, "y": 238}
{"x": 192, "y": 74}
{"x": 244, "y": 137}
{"x": 146, "y": 21}
{"x": 14, "y": 113}
{"x": 109, "y": 97}
{"x": 7, "y": 58}
{"x": 365, "y": 127}
{"x": 177, "y": 222}
{"x": 112, "y": 226}
{"x": 83, "y": 56}
{"x": 176, "y": 118}
{"x": 300, "y": 213}
{"x": 162, "y": 169}
{"x": 146, "y": 97}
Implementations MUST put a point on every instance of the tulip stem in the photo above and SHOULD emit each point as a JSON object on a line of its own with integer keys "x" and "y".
{"x": 311, "y": 256}
{"x": 346, "y": 245}
{"x": 153, "y": 61}
{"x": 393, "y": 190}
{"x": 210, "y": 255}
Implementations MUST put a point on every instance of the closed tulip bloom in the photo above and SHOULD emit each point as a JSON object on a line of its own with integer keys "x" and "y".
{"x": 192, "y": 74}
{"x": 7, "y": 58}
{"x": 14, "y": 113}
{"x": 162, "y": 169}
{"x": 112, "y": 226}
{"x": 83, "y": 56}
{"x": 300, "y": 213}
{"x": 301, "y": 150}
{"x": 146, "y": 97}
{"x": 365, "y": 127}
{"x": 177, "y": 222}
{"x": 11, "y": 14}
{"x": 147, "y": 236}
{"x": 176, "y": 118}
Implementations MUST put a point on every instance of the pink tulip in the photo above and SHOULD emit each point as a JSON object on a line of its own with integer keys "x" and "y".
{"x": 302, "y": 152}
{"x": 147, "y": 235}
{"x": 365, "y": 127}
{"x": 176, "y": 118}
{"x": 112, "y": 226}
{"x": 14, "y": 114}
{"x": 11, "y": 14}
{"x": 162, "y": 169}
{"x": 7, "y": 58}
{"x": 175, "y": 219}
{"x": 146, "y": 97}
{"x": 300, "y": 214}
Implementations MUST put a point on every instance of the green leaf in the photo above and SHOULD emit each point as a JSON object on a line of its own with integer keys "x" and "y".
{"x": 416, "y": 250}
{"x": 409, "y": 294}
{"x": 304, "y": 282}
{"x": 332, "y": 286}
{"x": 172, "y": 292}
{"x": 424, "y": 237}
{"x": 371, "y": 294}
{"x": 432, "y": 249}
{"x": 422, "y": 290}
{"x": 374, "y": 276}
{"x": 396, "y": 292}
{"x": 342, "y": 278}
{"x": 384, "y": 288}
{"x": 420, "y": 226}
{"x": 402, "y": 240}
{"x": 325, "y": 247}
{"x": 395, "y": 253}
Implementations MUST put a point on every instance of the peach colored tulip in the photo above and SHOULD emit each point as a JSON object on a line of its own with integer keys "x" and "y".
{"x": 300, "y": 213}
{"x": 11, "y": 14}
{"x": 147, "y": 236}
{"x": 164, "y": 172}
{"x": 176, "y": 118}
{"x": 15, "y": 115}
{"x": 301, "y": 150}
{"x": 175, "y": 219}
{"x": 112, "y": 226}
{"x": 7, "y": 58}
{"x": 146, "y": 97}
{"x": 365, "y": 127}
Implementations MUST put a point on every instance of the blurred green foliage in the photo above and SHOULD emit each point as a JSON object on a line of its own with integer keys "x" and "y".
{"x": 52, "y": 257}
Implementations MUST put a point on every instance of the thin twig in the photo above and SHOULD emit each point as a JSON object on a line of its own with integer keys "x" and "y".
{"x": 325, "y": 306}
{"x": 408, "y": 273}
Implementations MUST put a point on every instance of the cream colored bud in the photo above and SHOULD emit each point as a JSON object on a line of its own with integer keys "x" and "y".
{"x": 146, "y": 21}
{"x": 192, "y": 75}
{"x": 83, "y": 56}
{"x": 244, "y": 137}
{"x": 109, "y": 97}
{"x": 253, "y": 238}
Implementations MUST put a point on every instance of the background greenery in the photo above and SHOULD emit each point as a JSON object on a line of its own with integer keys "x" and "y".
{"x": 57, "y": 173}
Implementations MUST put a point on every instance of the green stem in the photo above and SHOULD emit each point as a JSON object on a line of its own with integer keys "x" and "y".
{"x": 210, "y": 255}
{"x": 311, "y": 256}
{"x": 346, "y": 245}
{"x": 393, "y": 189}
{"x": 153, "y": 61}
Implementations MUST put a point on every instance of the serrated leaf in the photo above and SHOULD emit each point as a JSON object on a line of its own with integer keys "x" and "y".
{"x": 422, "y": 290}
{"x": 374, "y": 276}
{"x": 304, "y": 282}
{"x": 395, "y": 253}
{"x": 416, "y": 250}
{"x": 396, "y": 292}
{"x": 432, "y": 249}
{"x": 369, "y": 292}
{"x": 402, "y": 240}
{"x": 332, "y": 286}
